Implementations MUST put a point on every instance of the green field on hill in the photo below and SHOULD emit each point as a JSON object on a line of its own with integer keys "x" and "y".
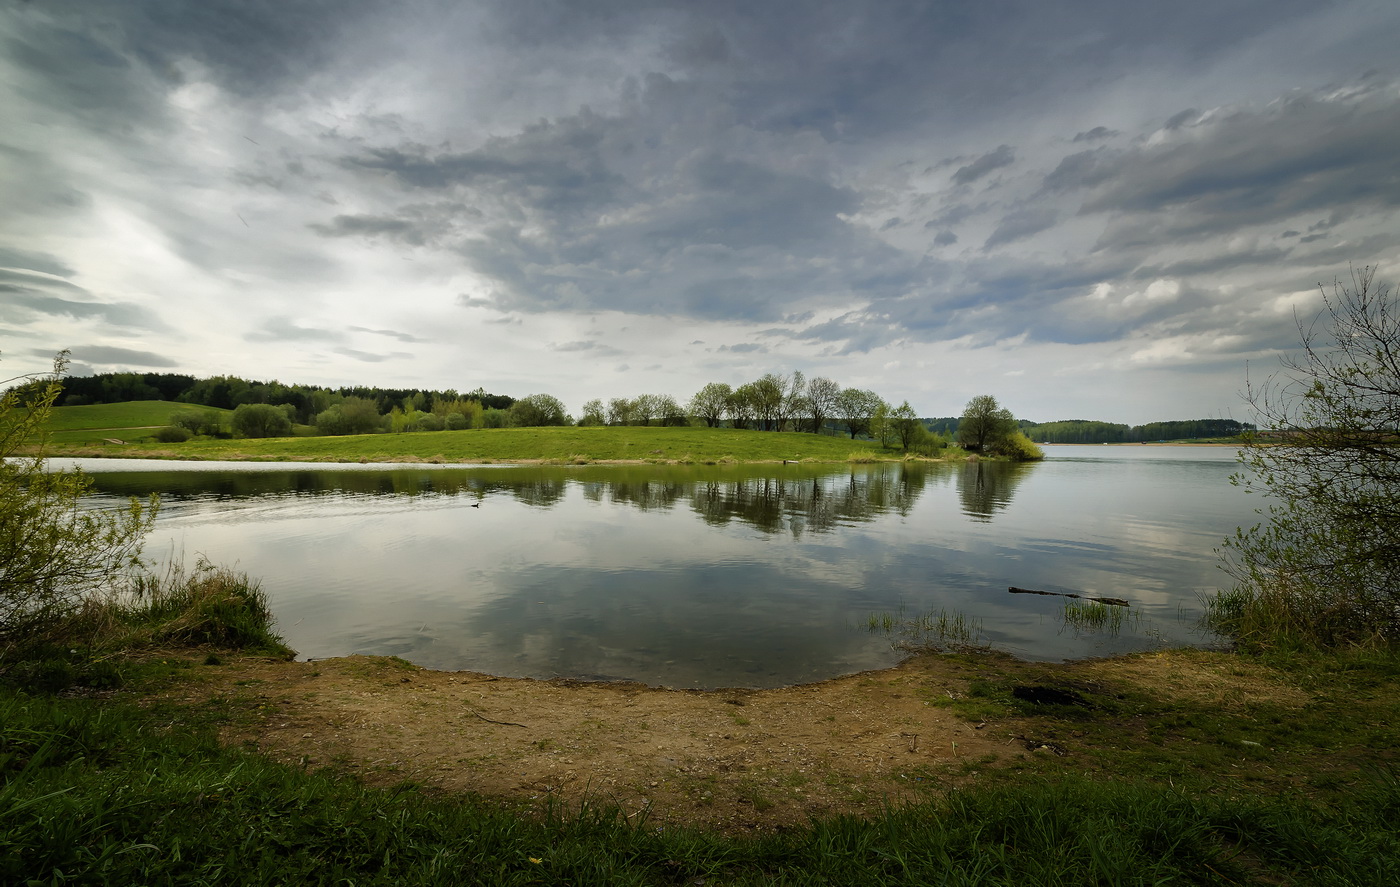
{"x": 134, "y": 420}
{"x": 563, "y": 444}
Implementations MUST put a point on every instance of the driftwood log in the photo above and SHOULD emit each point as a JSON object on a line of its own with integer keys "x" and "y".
{"x": 1115, "y": 601}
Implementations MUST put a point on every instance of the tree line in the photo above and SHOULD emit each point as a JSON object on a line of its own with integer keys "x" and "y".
{"x": 230, "y": 392}
{"x": 775, "y": 402}
{"x": 1083, "y": 431}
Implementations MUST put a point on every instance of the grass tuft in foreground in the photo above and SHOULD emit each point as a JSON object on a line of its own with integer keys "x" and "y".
{"x": 211, "y": 606}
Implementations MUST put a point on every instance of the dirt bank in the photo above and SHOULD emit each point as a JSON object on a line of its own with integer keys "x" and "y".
{"x": 736, "y": 760}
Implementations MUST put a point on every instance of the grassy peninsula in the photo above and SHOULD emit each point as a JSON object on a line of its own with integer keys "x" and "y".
{"x": 565, "y": 444}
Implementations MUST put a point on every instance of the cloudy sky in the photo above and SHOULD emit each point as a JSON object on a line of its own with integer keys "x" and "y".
{"x": 1090, "y": 209}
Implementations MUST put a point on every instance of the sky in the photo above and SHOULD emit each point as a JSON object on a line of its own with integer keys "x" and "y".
{"x": 1098, "y": 209}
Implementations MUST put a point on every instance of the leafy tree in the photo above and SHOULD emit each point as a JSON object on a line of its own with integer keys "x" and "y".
{"x": 353, "y": 415}
{"x": 538, "y": 409}
{"x": 855, "y": 407}
{"x": 260, "y": 420}
{"x": 766, "y": 395}
{"x": 984, "y": 423}
{"x": 645, "y": 408}
{"x": 593, "y": 413}
{"x": 620, "y": 411}
{"x": 1325, "y": 566}
{"x": 206, "y": 422}
{"x": 881, "y": 426}
{"x": 794, "y": 402}
{"x": 53, "y": 549}
{"x": 822, "y": 397}
{"x": 740, "y": 406}
{"x": 905, "y": 425}
{"x": 710, "y": 403}
{"x": 671, "y": 412}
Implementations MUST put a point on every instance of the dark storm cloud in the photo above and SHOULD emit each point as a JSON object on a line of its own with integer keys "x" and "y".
{"x": 24, "y": 260}
{"x": 1095, "y": 134}
{"x": 284, "y": 329}
{"x": 844, "y": 68}
{"x": 985, "y": 165}
{"x": 106, "y": 355}
{"x": 1020, "y": 224}
{"x": 573, "y": 230}
{"x": 560, "y": 164}
{"x": 594, "y": 349}
{"x": 755, "y": 163}
{"x": 1307, "y": 153}
{"x": 249, "y": 45}
{"x": 30, "y": 298}
{"x": 744, "y": 348}
{"x": 371, "y": 226}
{"x": 402, "y": 337}
{"x": 368, "y": 357}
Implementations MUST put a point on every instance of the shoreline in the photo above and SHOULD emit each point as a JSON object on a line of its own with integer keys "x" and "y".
{"x": 743, "y": 760}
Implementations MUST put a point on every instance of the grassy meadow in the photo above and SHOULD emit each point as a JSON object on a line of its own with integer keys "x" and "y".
{"x": 568, "y": 444}
{"x": 133, "y": 421}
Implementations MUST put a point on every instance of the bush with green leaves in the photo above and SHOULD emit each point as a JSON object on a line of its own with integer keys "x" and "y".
{"x": 1018, "y": 447}
{"x": 54, "y": 549}
{"x": 171, "y": 434}
{"x": 196, "y": 422}
{"x": 261, "y": 420}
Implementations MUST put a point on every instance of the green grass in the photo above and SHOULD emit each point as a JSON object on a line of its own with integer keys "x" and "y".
{"x": 133, "y": 420}
{"x": 105, "y": 793}
{"x": 566, "y": 445}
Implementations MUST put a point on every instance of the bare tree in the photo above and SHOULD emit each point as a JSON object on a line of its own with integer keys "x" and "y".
{"x": 1325, "y": 564}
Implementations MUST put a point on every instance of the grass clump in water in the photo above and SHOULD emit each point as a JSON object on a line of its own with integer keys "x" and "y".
{"x": 1094, "y": 616}
{"x": 936, "y": 631}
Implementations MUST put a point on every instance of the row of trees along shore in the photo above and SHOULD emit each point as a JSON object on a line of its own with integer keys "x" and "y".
{"x": 774, "y": 402}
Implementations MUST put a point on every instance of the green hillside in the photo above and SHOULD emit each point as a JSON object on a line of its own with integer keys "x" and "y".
{"x": 133, "y": 420}
{"x": 565, "y": 444}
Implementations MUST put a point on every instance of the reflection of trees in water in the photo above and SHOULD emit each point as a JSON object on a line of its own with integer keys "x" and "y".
{"x": 541, "y": 491}
{"x": 253, "y": 484}
{"x": 807, "y": 505}
{"x": 987, "y": 487}
{"x": 797, "y": 503}
{"x": 647, "y": 495}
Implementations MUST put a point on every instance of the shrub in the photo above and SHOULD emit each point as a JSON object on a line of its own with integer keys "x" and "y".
{"x": 1019, "y": 447}
{"x": 53, "y": 550}
{"x": 171, "y": 434}
{"x": 261, "y": 420}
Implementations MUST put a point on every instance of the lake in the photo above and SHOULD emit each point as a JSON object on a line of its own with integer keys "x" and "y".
{"x": 703, "y": 576}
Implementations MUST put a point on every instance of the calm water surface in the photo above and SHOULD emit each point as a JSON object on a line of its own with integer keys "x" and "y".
{"x": 702, "y": 576}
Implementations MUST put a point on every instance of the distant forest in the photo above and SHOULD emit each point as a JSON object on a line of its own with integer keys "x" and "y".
{"x": 229, "y": 392}
{"x": 1086, "y": 431}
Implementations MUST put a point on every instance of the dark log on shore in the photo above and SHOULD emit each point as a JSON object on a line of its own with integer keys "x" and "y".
{"x": 1115, "y": 601}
